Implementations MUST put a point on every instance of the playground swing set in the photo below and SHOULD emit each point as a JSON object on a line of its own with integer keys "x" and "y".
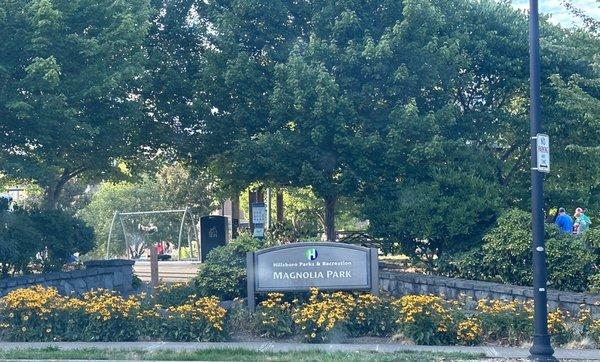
{"x": 136, "y": 241}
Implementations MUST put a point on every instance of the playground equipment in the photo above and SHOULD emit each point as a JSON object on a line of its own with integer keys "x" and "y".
{"x": 134, "y": 241}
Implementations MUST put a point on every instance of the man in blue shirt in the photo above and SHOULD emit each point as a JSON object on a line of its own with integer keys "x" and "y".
{"x": 564, "y": 221}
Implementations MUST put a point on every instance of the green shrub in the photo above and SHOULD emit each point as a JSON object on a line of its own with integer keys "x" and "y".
{"x": 570, "y": 264}
{"x": 324, "y": 317}
{"x": 506, "y": 256}
{"x": 466, "y": 265}
{"x": 169, "y": 295}
{"x": 591, "y": 240}
{"x": 273, "y": 317}
{"x": 20, "y": 241}
{"x": 223, "y": 274}
{"x": 560, "y": 331}
{"x": 110, "y": 317}
{"x": 54, "y": 235}
{"x": 62, "y": 236}
{"x": 41, "y": 314}
{"x": 507, "y": 322}
{"x": 200, "y": 320}
{"x": 594, "y": 284}
{"x": 371, "y": 316}
{"x": 507, "y": 249}
{"x": 425, "y": 319}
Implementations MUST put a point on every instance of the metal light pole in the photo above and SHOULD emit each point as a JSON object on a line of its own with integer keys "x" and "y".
{"x": 541, "y": 349}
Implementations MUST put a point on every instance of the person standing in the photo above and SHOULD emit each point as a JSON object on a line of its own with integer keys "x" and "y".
{"x": 582, "y": 221}
{"x": 564, "y": 221}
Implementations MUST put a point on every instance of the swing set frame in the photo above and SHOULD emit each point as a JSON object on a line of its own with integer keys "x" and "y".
{"x": 186, "y": 212}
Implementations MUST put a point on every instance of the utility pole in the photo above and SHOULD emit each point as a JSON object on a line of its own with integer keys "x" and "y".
{"x": 541, "y": 349}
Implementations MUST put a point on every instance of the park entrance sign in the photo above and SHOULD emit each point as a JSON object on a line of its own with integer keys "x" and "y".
{"x": 301, "y": 266}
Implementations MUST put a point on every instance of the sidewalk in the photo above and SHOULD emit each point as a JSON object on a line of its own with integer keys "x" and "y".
{"x": 493, "y": 352}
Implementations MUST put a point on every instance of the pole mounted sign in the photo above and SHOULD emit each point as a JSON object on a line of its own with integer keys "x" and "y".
{"x": 301, "y": 266}
{"x": 259, "y": 212}
{"x": 543, "y": 152}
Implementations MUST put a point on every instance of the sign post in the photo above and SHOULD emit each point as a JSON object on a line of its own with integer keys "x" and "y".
{"x": 541, "y": 350}
{"x": 301, "y": 266}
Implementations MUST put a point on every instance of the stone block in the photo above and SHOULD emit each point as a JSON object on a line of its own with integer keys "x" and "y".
{"x": 482, "y": 294}
{"x": 528, "y": 293}
{"x": 79, "y": 284}
{"x": 463, "y": 284}
{"x": 118, "y": 278}
{"x": 108, "y": 282}
{"x": 53, "y": 276}
{"x": 68, "y": 289}
{"x": 573, "y": 298}
{"x": 108, "y": 263}
{"x": 591, "y": 300}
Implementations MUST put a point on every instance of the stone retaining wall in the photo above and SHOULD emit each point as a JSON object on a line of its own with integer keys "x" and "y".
{"x": 399, "y": 283}
{"x": 116, "y": 274}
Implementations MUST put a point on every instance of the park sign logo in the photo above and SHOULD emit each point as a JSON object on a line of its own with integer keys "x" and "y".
{"x": 311, "y": 254}
{"x": 301, "y": 266}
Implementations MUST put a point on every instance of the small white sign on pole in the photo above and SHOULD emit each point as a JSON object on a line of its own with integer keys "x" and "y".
{"x": 259, "y": 212}
{"x": 543, "y": 152}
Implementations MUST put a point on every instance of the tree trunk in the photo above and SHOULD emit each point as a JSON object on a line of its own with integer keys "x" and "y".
{"x": 279, "y": 202}
{"x": 330, "y": 217}
{"x": 52, "y": 193}
{"x": 235, "y": 215}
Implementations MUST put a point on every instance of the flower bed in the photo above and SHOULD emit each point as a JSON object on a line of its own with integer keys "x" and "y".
{"x": 422, "y": 319}
{"x": 42, "y": 314}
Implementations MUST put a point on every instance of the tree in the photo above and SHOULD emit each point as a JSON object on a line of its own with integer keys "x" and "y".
{"x": 69, "y": 101}
{"x": 459, "y": 153}
{"x": 171, "y": 87}
{"x": 290, "y": 147}
{"x": 574, "y": 101}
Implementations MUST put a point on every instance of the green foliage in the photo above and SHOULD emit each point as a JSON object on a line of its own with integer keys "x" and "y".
{"x": 223, "y": 274}
{"x": 281, "y": 233}
{"x": 425, "y": 319}
{"x": 197, "y": 320}
{"x": 41, "y": 314}
{"x": 61, "y": 236}
{"x": 46, "y": 237}
{"x": 273, "y": 317}
{"x": 505, "y": 322}
{"x": 69, "y": 104}
{"x": 20, "y": 240}
{"x": 506, "y": 256}
{"x": 594, "y": 284}
{"x": 371, "y": 316}
{"x": 591, "y": 239}
{"x": 170, "y": 295}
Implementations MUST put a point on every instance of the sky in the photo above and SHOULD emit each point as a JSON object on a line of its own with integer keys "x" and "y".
{"x": 560, "y": 14}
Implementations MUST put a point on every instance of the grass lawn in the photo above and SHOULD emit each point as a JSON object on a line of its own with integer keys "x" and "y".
{"x": 228, "y": 355}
